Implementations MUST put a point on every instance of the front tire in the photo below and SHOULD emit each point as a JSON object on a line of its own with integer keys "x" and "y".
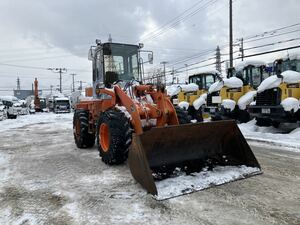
{"x": 82, "y": 137}
{"x": 113, "y": 136}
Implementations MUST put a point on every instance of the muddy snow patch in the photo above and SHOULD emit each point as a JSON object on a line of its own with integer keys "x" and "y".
{"x": 185, "y": 184}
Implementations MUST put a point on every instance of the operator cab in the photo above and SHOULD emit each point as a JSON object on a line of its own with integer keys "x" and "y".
{"x": 203, "y": 80}
{"x": 113, "y": 62}
{"x": 253, "y": 75}
{"x": 281, "y": 65}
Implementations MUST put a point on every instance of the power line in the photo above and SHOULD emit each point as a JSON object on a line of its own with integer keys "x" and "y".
{"x": 271, "y": 32}
{"x": 170, "y": 22}
{"x": 272, "y": 51}
{"x": 277, "y": 35}
{"x": 274, "y": 43}
{"x": 175, "y": 22}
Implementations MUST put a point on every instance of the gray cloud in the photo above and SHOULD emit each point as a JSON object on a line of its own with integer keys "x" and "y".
{"x": 50, "y": 28}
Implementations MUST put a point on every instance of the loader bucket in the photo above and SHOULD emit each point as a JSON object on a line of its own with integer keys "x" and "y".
{"x": 196, "y": 150}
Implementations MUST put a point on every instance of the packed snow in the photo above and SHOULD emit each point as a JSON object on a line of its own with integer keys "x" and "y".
{"x": 269, "y": 83}
{"x": 291, "y": 77}
{"x": 233, "y": 82}
{"x": 184, "y": 105}
{"x": 175, "y": 89}
{"x": 200, "y": 101}
{"x": 290, "y": 104}
{"x": 287, "y": 135}
{"x": 217, "y": 86}
{"x": 37, "y": 118}
{"x": 185, "y": 184}
{"x": 246, "y": 99}
{"x": 228, "y": 104}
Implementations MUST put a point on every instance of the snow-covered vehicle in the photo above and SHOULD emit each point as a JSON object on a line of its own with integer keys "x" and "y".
{"x": 3, "y": 112}
{"x": 230, "y": 98}
{"x": 185, "y": 95}
{"x": 24, "y": 110}
{"x": 61, "y": 105}
{"x": 12, "y": 105}
{"x": 278, "y": 96}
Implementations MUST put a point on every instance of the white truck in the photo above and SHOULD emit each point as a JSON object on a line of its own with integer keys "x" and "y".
{"x": 61, "y": 105}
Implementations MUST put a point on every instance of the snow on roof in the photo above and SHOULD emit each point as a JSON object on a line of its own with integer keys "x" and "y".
{"x": 206, "y": 71}
{"x": 243, "y": 64}
{"x": 292, "y": 56}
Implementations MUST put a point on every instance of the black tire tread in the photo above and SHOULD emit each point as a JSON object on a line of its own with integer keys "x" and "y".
{"x": 86, "y": 140}
{"x": 120, "y": 136}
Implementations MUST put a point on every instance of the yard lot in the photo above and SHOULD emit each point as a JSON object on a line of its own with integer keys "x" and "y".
{"x": 45, "y": 179}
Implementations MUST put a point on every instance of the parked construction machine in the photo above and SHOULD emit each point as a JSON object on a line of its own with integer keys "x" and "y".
{"x": 278, "y": 98}
{"x": 203, "y": 80}
{"x": 231, "y": 99}
{"x": 131, "y": 119}
{"x": 37, "y": 101}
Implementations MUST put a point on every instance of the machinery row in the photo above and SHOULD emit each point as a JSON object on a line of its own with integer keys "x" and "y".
{"x": 12, "y": 107}
{"x": 270, "y": 94}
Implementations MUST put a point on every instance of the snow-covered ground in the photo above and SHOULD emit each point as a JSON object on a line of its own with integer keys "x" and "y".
{"x": 286, "y": 136}
{"x": 45, "y": 179}
{"x": 37, "y": 118}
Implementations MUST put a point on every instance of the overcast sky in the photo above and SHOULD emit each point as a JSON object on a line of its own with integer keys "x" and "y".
{"x": 40, "y": 34}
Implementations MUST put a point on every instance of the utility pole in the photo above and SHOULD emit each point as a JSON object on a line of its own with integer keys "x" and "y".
{"x": 51, "y": 87}
{"x": 173, "y": 75}
{"x": 73, "y": 81}
{"x": 218, "y": 59}
{"x": 230, "y": 37}
{"x": 242, "y": 48}
{"x": 18, "y": 84}
{"x": 164, "y": 72}
{"x": 60, "y": 71}
{"x": 186, "y": 68}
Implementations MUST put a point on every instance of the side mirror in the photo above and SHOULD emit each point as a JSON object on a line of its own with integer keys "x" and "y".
{"x": 150, "y": 58}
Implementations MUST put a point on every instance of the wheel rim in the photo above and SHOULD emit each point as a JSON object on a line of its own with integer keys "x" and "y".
{"x": 104, "y": 137}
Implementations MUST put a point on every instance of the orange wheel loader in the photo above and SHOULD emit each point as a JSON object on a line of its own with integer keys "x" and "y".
{"x": 131, "y": 119}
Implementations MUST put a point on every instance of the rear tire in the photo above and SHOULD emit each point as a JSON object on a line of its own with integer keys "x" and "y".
{"x": 182, "y": 115}
{"x": 82, "y": 137}
{"x": 113, "y": 136}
